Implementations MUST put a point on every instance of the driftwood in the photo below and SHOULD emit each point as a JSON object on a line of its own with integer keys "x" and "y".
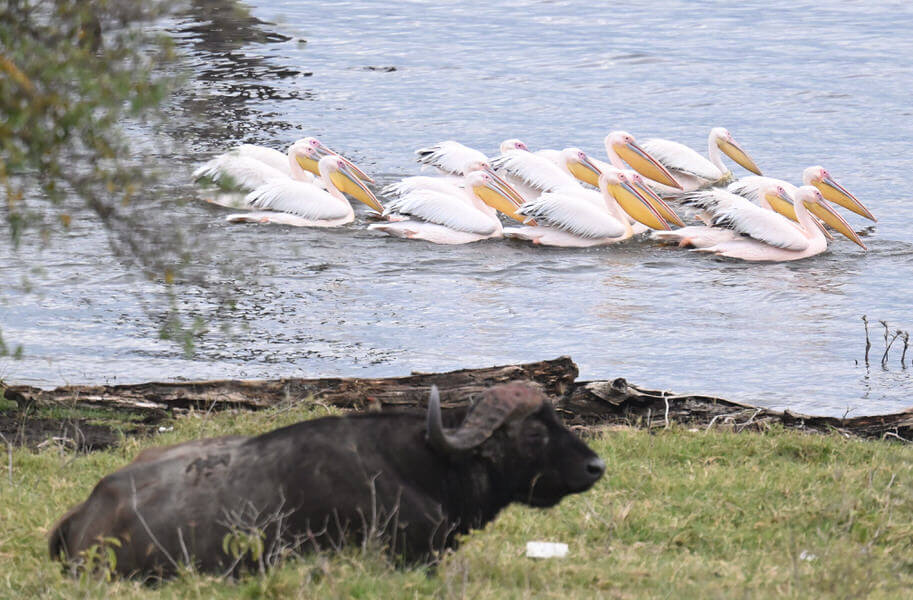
{"x": 583, "y": 404}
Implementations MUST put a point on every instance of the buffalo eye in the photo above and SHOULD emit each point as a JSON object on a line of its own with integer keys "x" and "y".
{"x": 536, "y": 435}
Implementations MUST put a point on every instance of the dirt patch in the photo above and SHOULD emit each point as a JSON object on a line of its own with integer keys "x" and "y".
{"x": 72, "y": 433}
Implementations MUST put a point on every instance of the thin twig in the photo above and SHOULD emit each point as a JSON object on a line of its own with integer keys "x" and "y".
{"x": 868, "y": 343}
{"x": 666, "y": 416}
{"x": 9, "y": 453}
{"x": 894, "y": 435}
{"x": 729, "y": 416}
{"x": 750, "y": 420}
{"x": 145, "y": 525}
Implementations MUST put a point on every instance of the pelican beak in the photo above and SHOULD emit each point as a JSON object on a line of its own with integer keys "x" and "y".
{"x": 322, "y": 151}
{"x": 645, "y": 164}
{"x": 823, "y": 229}
{"x": 308, "y": 164}
{"x": 358, "y": 172}
{"x": 636, "y": 205}
{"x": 347, "y": 181}
{"x": 830, "y": 216}
{"x": 585, "y": 171}
{"x": 735, "y": 152}
{"x": 499, "y": 198}
{"x": 836, "y": 193}
{"x": 659, "y": 204}
{"x": 782, "y": 204}
{"x": 503, "y": 197}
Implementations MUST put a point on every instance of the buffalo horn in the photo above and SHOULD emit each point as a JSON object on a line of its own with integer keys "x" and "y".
{"x": 496, "y": 406}
{"x": 435, "y": 426}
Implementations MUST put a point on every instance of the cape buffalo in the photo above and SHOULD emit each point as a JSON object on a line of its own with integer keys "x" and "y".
{"x": 400, "y": 478}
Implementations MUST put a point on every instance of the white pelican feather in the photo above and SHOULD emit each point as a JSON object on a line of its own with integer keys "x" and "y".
{"x": 450, "y": 156}
{"x": 574, "y": 215}
{"x": 298, "y": 198}
{"x": 679, "y": 158}
{"x": 450, "y": 210}
{"x": 235, "y": 170}
{"x": 534, "y": 169}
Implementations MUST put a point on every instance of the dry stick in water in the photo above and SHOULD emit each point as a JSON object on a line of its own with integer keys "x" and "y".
{"x": 906, "y": 344}
{"x": 868, "y": 343}
{"x": 884, "y": 357}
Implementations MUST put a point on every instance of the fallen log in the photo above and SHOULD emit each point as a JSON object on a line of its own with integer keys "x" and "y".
{"x": 583, "y": 404}
{"x": 556, "y": 377}
{"x": 618, "y": 402}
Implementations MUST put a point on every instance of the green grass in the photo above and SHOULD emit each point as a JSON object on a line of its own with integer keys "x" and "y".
{"x": 680, "y": 514}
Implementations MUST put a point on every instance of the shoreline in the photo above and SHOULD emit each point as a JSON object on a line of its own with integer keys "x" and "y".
{"x": 142, "y": 408}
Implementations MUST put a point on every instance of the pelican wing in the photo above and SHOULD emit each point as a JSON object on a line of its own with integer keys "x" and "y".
{"x": 574, "y": 215}
{"x": 449, "y": 210}
{"x": 750, "y": 187}
{"x": 680, "y": 157}
{"x": 739, "y": 214}
{"x": 273, "y": 158}
{"x": 407, "y": 185}
{"x": 298, "y": 198}
{"x": 449, "y": 156}
{"x": 232, "y": 169}
{"x": 534, "y": 170}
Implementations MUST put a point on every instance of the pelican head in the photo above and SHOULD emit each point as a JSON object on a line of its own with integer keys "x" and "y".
{"x": 777, "y": 199}
{"x": 723, "y": 140}
{"x": 811, "y": 197}
{"x": 620, "y": 186}
{"x": 580, "y": 166}
{"x": 622, "y": 145}
{"x": 306, "y": 152}
{"x": 343, "y": 175}
{"x": 310, "y": 150}
{"x": 495, "y": 192}
{"x": 833, "y": 191}
{"x": 484, "y": 167}
{"x": 512, "y": 144}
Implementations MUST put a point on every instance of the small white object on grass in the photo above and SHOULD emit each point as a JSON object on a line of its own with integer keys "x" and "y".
{"x": 546, "y": 550}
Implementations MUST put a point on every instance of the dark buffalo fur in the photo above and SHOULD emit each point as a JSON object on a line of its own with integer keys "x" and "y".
{"x": 225, "y": 503}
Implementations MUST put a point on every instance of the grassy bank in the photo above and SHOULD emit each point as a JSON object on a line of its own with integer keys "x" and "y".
{"x": 680, "y": 514}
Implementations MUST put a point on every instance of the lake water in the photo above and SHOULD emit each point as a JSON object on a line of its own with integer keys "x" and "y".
{"x": 822, "y": 82}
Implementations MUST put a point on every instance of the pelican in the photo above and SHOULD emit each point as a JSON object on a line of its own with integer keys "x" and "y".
{"x": 709, "y": 234}
{"x": 570, "y": 220}
{"x": 767, "y": 235}
{"x": 575, "y": 163}
{"x": 452, "y": 214}
{"x": 816, "y": 176}
{"x": 621, "y": 147}
{"x": 694, "y": 171}
{"x": 535, "y": 172}
{"x": 454, "y": 158}
{"x": 295, "y": 202}
{"x": 248, "y": 166}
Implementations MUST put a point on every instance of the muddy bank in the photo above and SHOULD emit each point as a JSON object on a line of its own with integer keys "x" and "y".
{"x": 70, "y": 433}
{"x": 581, "y": 403}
